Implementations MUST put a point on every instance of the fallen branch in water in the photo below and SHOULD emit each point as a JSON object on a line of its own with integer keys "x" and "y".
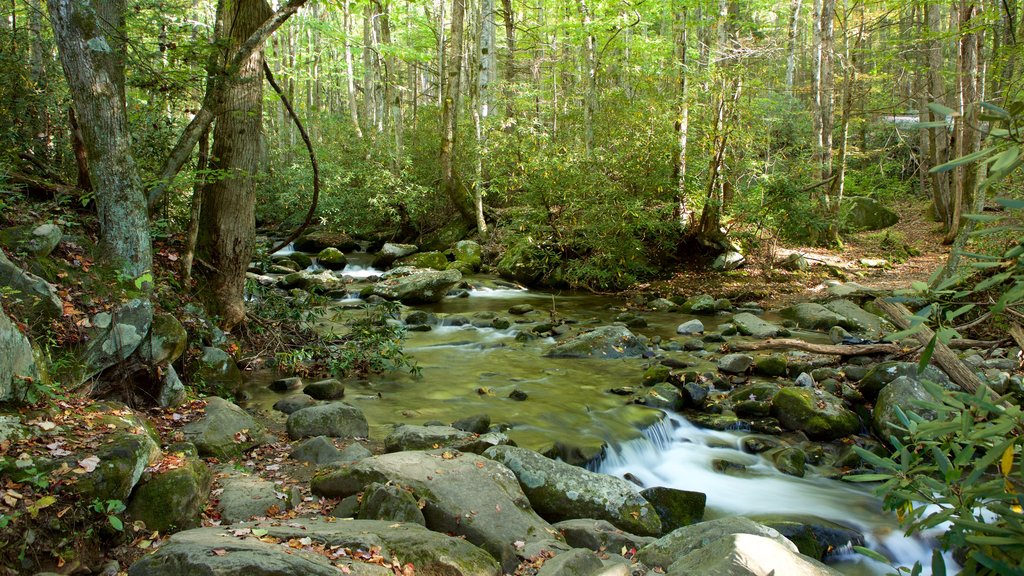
{"x": 833, "y": 349}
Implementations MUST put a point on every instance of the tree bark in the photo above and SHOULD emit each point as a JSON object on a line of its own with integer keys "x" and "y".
{"x": 449, "y": 117}
{"x": 353, "y": 106}
{"x": 510, "y": 58}
{"x": 938, "y": 138}
{"x": 195, "y": 209}
{"x": 683, "y": 211}
{"x": 794, "y": 29}
{"x": 227, "y": 226}
{"x": 590, "y": 73}
{"x": 88, "y": 36}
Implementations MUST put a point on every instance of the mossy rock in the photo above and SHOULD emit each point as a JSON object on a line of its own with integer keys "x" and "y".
{"x": 174, "y": 499}
{"x": 332, "y": 258}
{"x": 789, "y": 460}
{"x": 700, "y": 304}
{"x": 772, "y": 365}
{"x": 657, "y": 373}
{"x": 676, "y": 508}
{"x": 434, "y": 260}
{"x": 302, "y": 261}
{"x": 166, "y": 340}
{"x": 468, "y": 252}
{"x": 816, "y": 413}
{"x": 122, "y": 460}
{"x": 314, "y": 242}
{"x": 463, "y": 267}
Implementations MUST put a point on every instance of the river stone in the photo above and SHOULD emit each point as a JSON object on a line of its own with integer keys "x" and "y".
{"x": 244, "y": 496}
{"x": 748, "y": 555}
{"x": 861, "y": 213}
{"x": 662, "y": 305}
{"x": 451, "y": 485}
{"x": 18, "y": 367}
{"x": 434, "y": 260}
{"x": 676, "y": 508}
{"x": 603, "y": 342}
{"x": 859, "y": 320}
{"x": 885, "y": 372}
{"x": 123, "y": 457}
{"x": 735, "y": 363}
{"x": 432, "y": 554}
{"x": 36, "y": 299}
{"x": 294, "y": 402}
{"x": 750, "y": 325}
{"x": 391, "y": 503}
{"x": 218, "y": 371}
{"x": 813, "y": 316}
{"x": 657, "y": 373}
{"x": 42, "y": 240}
{"x": 520, "y": 309}
{"x": 172, "y": 390}
{"x": 415, "y": 285}
{"x": 814, "y": 537}
{"x": 171, "y": 500}
{"x": 559, "y": 491}
{"x": 574, "y": 562}
{"x": 225, "y": 430}
{"x": 337, "y": 420}
{"x": 805, "y": 380}
{"x": 789, "y": 460}
{"x": 728, "y": 260}
{"x": 906, "y": 393}
{"x": 318, "y": 450}
{"x": 315, "y": 241}
{"x": 301, "y": 260}
{"x": 286, "y": 384}
{"x": 690, "y": 327}
{"x": 838, "y": 334}
{"x": 311, "y": 281}
{"x": 664, "y": 551}
{"x": 477, "y": 423}
{"x": 754, "y": 400}
{"x": 662, "y": 396}
{"x": 771, "y": 365}
{"x": 795, "y": 262}
{"x": 410, "y": 437}
{"x": 391, "y": 252}
{"x": 332, "y": 259}
{"x": 700, "y": 304}
{"x": 330, "y": 389}
{"x": 114, "y": 336}
{"x": 469, "y": 252}
{"x": 166, "y": 340}
{"x": 816, "y": 413}
{"x": 599, "y": 535}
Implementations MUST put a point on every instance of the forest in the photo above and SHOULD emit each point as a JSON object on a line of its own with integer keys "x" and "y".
{"x": 590, "y": 224}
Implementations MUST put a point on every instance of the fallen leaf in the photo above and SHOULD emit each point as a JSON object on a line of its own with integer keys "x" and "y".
{"x": 89, "y": 464}
{"x": 219, "y": 551}
{"x": 46, "y": 425}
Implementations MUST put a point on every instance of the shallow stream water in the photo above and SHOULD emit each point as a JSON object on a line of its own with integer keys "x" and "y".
{"x": 467, "y": 371}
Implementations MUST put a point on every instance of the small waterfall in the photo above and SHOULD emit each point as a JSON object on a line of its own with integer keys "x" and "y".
{"x": 677, "y": 454}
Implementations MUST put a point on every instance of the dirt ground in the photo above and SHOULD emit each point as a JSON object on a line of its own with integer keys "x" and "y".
{"x": 891, "y": 258}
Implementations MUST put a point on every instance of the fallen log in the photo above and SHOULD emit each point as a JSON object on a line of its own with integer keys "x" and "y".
{"x": 834, "y": 349}
{"x": 942, "y": 355}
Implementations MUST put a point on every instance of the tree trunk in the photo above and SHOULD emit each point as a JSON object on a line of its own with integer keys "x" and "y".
{"x": 968, "y": 132}
{"x": 683, "y": 212}
{"x": 392, "y": 96}
{"x": 450, "y": 184}
{"x": 227, "y": 223}
{"x": 510, "y": 58}
{"x": 78, "y": 146}
{"x": 590, "y": 71}
{"x": 938, "y": 139}
{"x": 195, "y": 209}
{"x": 816, "y": 88}
{"x": 88, "y": 36}
{"x": 794, "y": 29}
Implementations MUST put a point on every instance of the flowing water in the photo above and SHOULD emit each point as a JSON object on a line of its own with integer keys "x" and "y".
{"x": 467, "y": 370}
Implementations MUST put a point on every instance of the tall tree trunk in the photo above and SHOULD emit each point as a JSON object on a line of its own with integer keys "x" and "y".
{"x": 683, "y": 212}
{"x": 227, "y": 223}
{"x": 794, "y": 29}
{"x": 487, "y": 63}
{"x": 450, "y": 181}
{"x": 510, "y": 58}
{"x": 88, "y": 35}
{"x": 816, "y": 87}
{"x": 827, "y": 104}
{"x": 195, "y": 209}
{"x": 350, "y": 76}
{"x": 968, "y": 134}
{"x": 590, "y": 72}
{"x": 39, "y": 113}
{"x": 392, "y": 96}
{"x": 938, "y": 139}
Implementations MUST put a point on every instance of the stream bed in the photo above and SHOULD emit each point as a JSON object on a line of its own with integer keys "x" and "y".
{"x": 568, "y": 412}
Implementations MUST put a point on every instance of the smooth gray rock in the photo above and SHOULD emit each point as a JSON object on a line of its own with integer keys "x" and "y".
{"x": 750, "y": 325}
{"x": 172, "y": 389}
{"x": 859, "y": 320}
{"x": 391, "y": 252}
{"x": 671, "y": 547}
{"x": 391, "y": 503}
{"x": 18, "y": 365}
{"x": 337, "y": 420}
{"x": 452, "y": 486}
{"x": 166, "y": 340}
{"x": 318, "y": 450}
{"x": 735, "y": 363}
{"x": 560, "y": 491}
{"x": 575, "y": 562}
{"x": 864, "y": 213}
{"x": 330, "y": 389}
{"x": 43, "y": 240}
{"x": 286, "y": 384}
{"x": 294, "y": 403}
{"x": 603, "y": 342}
{"x": 748, "y": 555}
{"x": 310, "y": 281}
{"x": 599, "y": 535}
{"x": 728, "y": 260}
{"x": 415, "y": 285}
{"x": 410, "y": 437}
{"x": 813, "y": 316}
{"x": 244, "y": 496}
{"x": 218, "y": 371}
{"x": 432, "y": 554}
{"x": 690, "y": 327}
{"x": 906, "y": 393}
{"x": 115, "y": 335}
{"x": 225, "y": 431}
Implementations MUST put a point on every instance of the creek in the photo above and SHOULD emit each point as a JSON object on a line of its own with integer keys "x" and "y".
{"x": 467, "y": 370}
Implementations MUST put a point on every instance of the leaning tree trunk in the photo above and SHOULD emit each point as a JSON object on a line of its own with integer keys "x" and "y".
{"x": 88, "y": 35}
{"x": 227, "y": 227}
{"x": 449, "y": 117}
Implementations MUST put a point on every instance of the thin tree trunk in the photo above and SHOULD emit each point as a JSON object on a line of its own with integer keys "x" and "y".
{"x": 510, "y": 58}
{"x": 590, "y": 71}
{"x": 683, "y": 212}
{"x": 968, "y": 134}
{"x": 938, "y": 139}
{"x": 450, "y": 184}
{"x": 227, "y": 223}
{"x": 816, "y": 106}
{"x": 81, "y": 156}
{"x": 794, "y": 29}
{"x": 353, "y": 107}
{"x": 195, "y": 209}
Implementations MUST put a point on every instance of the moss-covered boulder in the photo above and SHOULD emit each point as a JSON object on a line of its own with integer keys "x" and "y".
{"x": 655, "y": 374}
{"x": 814, "y": 537}
{"x": 528, "y": 262}
{"x": 860, "y": 213}
{"x": 464, "y": 268}
{"x": 433, "y": 260}
{"x": 322, "y": 281}
{"x": 560, "y": 491}
{"x": 390, "y": 502}
{"x": 173, "y": 497}
{"x": 415, "y": 285}
{"x": 166, "y": 340}
{"x": 666, "y": 550}
{"x": 906, "y": 393}
{"x": 858, "y": 320}
{"x": 816, "y": 413}
{"x": 676, "y": 508}
{"x": 789, "y": 460}
{"x": 315, "y": 241}
{"x": 217, "y": 370}
{"x": 603, "y": 342}
{"x": 18, "y": 368}
{"x": 122, "y": 458}
{"x": 700, "y": 304}
{"x": 772, "y": 365}
{"x": 749, "y": 325}
{"x": 885, "y": 372}
{"x": 335, "y": 420}
{"x": 391, "y": 251}
{"x": 34, "y": 299}
{"x": 469, "y": 252}
{"x": 749, "y": 555}
{"x": 225, "y": 430}
{"x": 332, "y": 258}
{"x": 813, "y": 316}
{"x": 754, "y": 400}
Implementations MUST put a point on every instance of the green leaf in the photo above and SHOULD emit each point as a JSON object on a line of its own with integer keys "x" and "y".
{"x": 867, "y": 477}
{"x": 926, "y": 355}
{"x": 941, "y": 110}
{"x": 1010, "y": 203}
{"x": 116, "y": 523}
{"x": 876, "y": 556}
{"x": 992, "y": 540}
{"x": 938, "y": 563}
{"x": 966, "y": 159}
{"x": 928, "y": 125}
{"x": 995, "y": 110}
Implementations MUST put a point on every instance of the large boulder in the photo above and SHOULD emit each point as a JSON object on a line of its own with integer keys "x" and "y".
{"x": 599, "y": 535}
{"x": 883, "y": 373}
{"x": 434, "y": 260}
{"x": 410, "y": 437}
{"x": 858, "y": 320}
{"x": 814, "y": 412}
{"x": 36, "y": 299}
{"x": 166, "y": 340}
{"x": 813, "y": 536}
{"x": 462, "y": 494}
{"x": 469, "y": 252}
{"x": 336, "y": 420}
{"x": 191, "y": 553}
{"x": 218, "y": 371}
{"x": 906, "y": 393}
{"x": 18, "y": 370}
{"x": 38, "y": 241}
{"x": 750, "y": 325}
{"x": 322, "y": 281}
{"x": 560, "y": 491}
{"x": 813, "y": 316}
{"x": 391, "y": 252}
{"x": 676, "y": 508}
{"x": 115, "y": 335}
{"x": 748, "y": 555}
{"x": 169, "y": 499}
{"x": 225, "y": 430}
{"x": 603, "y": 342}
{"x": 314, "y": 242}
{"x": 862, "y": 213}
{"x": 123, "y": 457}
{"x": 527, "y": 262}
{"x": 244, "y": 496}
{"x": 415, "y": 285}
{"x": 390, "y": 502}
{"x": 332, "y": 259}
{"x": 728, "y": 260}
{"x": 666, "y": 550}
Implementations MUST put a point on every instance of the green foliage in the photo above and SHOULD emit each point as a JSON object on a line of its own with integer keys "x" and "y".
{"x": 962, "y": 468}
{"x": 373, "y": 344}
{"x": 111, "y": 509}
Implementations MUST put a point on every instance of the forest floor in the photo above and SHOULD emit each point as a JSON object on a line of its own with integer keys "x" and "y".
{"x": 909, "y": 251}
